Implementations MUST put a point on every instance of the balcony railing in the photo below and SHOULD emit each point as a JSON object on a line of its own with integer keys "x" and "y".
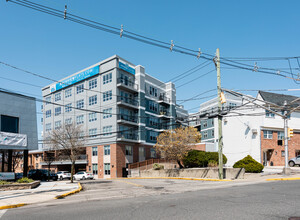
{"x": 127, "y": 100}
{"x": 164, "y": 99}
{"x": 128, "y": 118}
{"x": 128, "y": 135}
{"x": 127, "y": 83}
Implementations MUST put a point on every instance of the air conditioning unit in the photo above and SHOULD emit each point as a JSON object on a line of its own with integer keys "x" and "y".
{"x": 254, "y": 131}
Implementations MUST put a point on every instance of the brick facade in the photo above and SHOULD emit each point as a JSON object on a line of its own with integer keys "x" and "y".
{"x": 274, "y": 153}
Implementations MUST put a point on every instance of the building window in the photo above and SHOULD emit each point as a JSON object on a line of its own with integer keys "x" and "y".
{"x": 153, "y": 91}
{"x": 107, "y": 169}
{"x": 93, "y": 100}
{"x": 80, "y": 103}
{"x": 48, "y": 100}
{"x": 57, "y": 125}
{"x": 152, "y": 153}
{"x": 57, "y": 111}
{"x": 68, "y": 107}
{"x": 107, "y": 130}
{"x": 68, "y": 121}
{"x": 153, "y": 135}
{"x": 212, "y": 133}
{"x": 80, "y": 88}
{"x": 57, "y": 97}
{"x": 204, "y": 124}
{"x": 107, "y": 78}
{"x": 92, "y": 83}
{"x": 280, "y": 135}
{"x": 95, "y": 151}
{"x": 283, "y": 153}
{"x": 79, "y": 119}
{"x": 93, "y": 132}
{"x": 128, "y": 150}
{"x": 153, "y": 106}
{"x": 92, "y": 117}
{"x": 142, "y": 152}
{"x": 106, "y": 149}
{"x": 205, "y": 134}
{"x": 48, "y": 113}
{"x": 107, "y": 95}
{"x": 268, "y": 134}
{"x": 68, "y": 92}
{"x": 95, "y": 168}
{"x": 269, "y": 114}
{"x": 107, "y": 113}
{"x": 48, "y": 127}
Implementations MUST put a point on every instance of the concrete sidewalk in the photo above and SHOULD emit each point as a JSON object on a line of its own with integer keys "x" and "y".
{"x": 46, "y": 191}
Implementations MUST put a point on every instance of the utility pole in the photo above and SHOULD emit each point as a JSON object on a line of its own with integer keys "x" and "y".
{"x": 220, "y": 138}
{"x": 286, "y": 146}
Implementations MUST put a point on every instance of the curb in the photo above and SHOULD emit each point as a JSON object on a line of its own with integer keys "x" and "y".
{"x": 12, "y": 206}
{"x": 177, "y": 178}
{"x": 283, "y": 179}
{"x": 69, "y": 193}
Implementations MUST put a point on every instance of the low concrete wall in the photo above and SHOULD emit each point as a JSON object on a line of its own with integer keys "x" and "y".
{"x": 17, "y": 186}
{"x": 209, "y": 173}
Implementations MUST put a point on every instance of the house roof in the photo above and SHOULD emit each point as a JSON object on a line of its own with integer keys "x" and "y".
{"x": 278, "y": 99}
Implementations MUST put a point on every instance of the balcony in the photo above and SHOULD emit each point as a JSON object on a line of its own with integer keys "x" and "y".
{"x": 164, "y": 114}
{"x": 162, "y": 99}
{"x": 127, "y": 102}
{"x": 128, "y": 136}
{"x": 127, "y": 85}
{"x": 128, "y": 119}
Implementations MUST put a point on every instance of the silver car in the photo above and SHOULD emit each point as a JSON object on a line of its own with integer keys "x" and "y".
{"x": 294, "y": 161}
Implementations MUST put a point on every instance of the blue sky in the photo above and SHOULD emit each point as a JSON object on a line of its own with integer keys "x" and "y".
{"x": 57, "y": 48}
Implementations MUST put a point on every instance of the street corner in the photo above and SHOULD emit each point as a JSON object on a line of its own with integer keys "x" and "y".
{"x": 70, "y": 193}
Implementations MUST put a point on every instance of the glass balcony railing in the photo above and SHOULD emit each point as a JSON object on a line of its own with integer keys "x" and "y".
{"x": 129, "y": 118}
{"x": 128, "y": 135}
{"x": 127, "y": 83}
{"x": 127, "y": 100}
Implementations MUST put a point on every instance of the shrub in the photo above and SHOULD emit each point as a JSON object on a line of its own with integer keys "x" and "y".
{"x": 25, "y": 180}
{"x": 250, "y": 165}
{"x": 3, "y": 182}
{"x": 157, "y": 166}
{"x": 212, "y": 163}
{"x": 197, "y": 158}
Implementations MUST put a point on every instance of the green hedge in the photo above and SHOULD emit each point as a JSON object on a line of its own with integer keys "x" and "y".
{"x": 25, "y": 180}
{"x": 197, "y": 158}
{"x": 250, "y": 165}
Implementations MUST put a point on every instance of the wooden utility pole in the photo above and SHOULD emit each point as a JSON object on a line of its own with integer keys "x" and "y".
{"x": 220, "y": 139}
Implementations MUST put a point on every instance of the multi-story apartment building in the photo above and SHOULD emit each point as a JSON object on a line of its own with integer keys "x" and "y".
{"x": 122, "y": 111}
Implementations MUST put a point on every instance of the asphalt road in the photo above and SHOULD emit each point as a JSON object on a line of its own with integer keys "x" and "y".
{"x": 271, "y": 200}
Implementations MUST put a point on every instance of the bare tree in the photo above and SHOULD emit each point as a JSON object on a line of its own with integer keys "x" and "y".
{"x": 16, "y": 159}
{"x": 68, "y": 141}
{"x": 175, "y": 144}
{"x": 49, "y": 158}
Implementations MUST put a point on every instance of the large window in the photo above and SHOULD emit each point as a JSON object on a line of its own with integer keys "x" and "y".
{"x": 93, "y": 100}
{"x": 68, "y": 121}
{"x": 93, "y": 132}
{"x": 95, "y": 151}
{"x": 48, "y": 113}
{"x": 57, "y": 97}
{"x": 142, "y": 152}
{"x": 268, "y": 134}
{"x": 106, "y": 149}
{"x": 107, "y": 113}
{"x": 48, "y": 100}
{"x": 92, "y": 83}
{"x": 107, "y": 95}
{"x": 280, "y": 135}
{"x": 269, "y": 114}
{"x": 48, "y": 127}
{"x": 128, "y": 150}
{"x": 79, "y": 119}
{"x": 57, "y": 125}
{"x": 107, "y": 78}
{"x": 153, "y": 106}
{"x": 107, "y": 130}
{"x": 80, "y": 103}
{"x": 107, "y": 169}
{"x": 92, "y": 117}
{"x": 68, "y": 92}
{"x": 95, "y": 168}
{"x": 68, "y": 107}
{"x": 205, "y": 124}
{"x": 57, "y": 111}
{"x": 80, "y": 88}
{"x": 153, "y": 91}
{"x": 152, "y": 153}
{"x": 205, "y": 135}
{"x": 9, "y": 124}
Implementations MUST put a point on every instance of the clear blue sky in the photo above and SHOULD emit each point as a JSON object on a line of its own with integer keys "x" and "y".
{"x": 57, "y": 48}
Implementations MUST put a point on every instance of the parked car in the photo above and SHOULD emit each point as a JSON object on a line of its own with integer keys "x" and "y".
{"x": 83, "y": 175}
{"x": 294, "y": 161}
{"x": 63, "y": 175}
{"x": 41, "y": 174}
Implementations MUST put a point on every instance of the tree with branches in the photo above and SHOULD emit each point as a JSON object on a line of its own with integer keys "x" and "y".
{"x": 49, "y": 158}
{"x": 68, "y": 141}
{"x": 175, "y": 144}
